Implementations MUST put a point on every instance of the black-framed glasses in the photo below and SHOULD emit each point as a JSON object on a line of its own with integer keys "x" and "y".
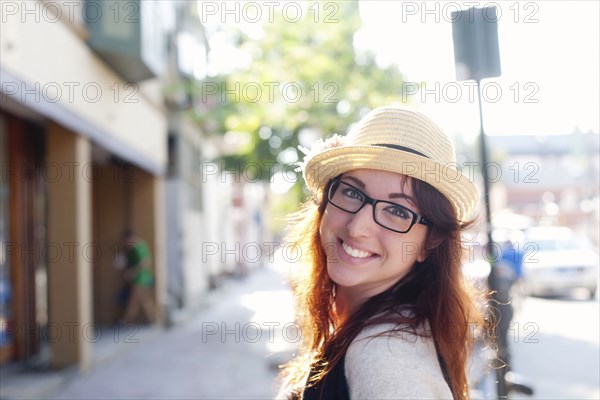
{"x": 389, "y": 215}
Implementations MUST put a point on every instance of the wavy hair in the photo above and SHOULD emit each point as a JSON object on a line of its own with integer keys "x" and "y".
{"x": 434, "y": 291}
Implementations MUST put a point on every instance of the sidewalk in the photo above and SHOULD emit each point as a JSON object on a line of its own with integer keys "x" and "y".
{"x": 230, "y": 349}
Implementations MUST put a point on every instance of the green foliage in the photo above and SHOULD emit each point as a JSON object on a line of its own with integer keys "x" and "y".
{"x": 302, "y": 75}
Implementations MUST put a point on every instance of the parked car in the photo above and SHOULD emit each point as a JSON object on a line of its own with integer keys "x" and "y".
{"x": 557, "y": 261}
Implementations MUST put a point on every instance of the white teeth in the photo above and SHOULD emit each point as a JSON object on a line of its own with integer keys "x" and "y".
{"x": 355, "y": 252}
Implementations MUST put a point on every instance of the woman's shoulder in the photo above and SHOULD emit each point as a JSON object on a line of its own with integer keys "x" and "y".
{"x": 397, "y": 331}
{"x": 382, "y": 341}
{"x": 386, "y": 361}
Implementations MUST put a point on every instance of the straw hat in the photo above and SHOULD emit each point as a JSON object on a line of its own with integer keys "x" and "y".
{"x": 394, "y": 139}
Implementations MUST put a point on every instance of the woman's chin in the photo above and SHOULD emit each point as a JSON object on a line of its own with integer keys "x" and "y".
{"x": 343, "y": 276}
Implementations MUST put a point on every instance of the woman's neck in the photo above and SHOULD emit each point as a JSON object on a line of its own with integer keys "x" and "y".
{"x": 346, "y": 303}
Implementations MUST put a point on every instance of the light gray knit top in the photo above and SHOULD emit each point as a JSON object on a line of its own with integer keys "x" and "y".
{"x": 393, "y": 366}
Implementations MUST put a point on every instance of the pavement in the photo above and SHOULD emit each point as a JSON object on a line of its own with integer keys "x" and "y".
{"x": 556, "y": 347}
{"x": 228, "y": 349}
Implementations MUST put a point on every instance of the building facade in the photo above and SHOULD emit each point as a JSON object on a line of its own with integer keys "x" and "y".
{"x": 94, "y": 141}
{"x": 83, "y": 134}
{"x": 551, "y": 179}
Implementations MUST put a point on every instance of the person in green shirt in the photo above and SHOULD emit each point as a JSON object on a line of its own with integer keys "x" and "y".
{"x": 138, "y": 273}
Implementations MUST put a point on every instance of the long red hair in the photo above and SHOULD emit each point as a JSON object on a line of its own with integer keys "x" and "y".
{"x": 435, "y": 292}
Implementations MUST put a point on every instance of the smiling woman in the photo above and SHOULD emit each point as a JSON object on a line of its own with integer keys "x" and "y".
{"x": 381, "y": 301}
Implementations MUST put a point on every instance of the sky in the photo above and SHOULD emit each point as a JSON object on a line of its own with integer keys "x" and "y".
{"x": 549, "y": 54}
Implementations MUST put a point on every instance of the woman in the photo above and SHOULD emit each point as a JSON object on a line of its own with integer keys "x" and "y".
{"x": 381, "y": 301}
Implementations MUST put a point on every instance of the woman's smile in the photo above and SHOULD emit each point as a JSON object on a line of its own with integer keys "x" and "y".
{"x": 355, "y": 253}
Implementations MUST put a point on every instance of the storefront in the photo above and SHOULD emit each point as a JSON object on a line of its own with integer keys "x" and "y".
{"x": 23, "y": 268}
{"x": 71, "y": 121}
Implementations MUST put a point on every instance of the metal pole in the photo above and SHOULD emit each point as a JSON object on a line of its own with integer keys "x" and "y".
{"x": 484, "y": 170}
{"x": 492, "y": 280}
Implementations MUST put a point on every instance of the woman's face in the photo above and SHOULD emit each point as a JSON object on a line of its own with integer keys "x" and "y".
{"x": 363, "y": 257}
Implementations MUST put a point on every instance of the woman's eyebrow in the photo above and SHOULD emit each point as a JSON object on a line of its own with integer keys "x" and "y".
{"x": 361, "y": 184}
{"x": 357, "y": 181}
{"x": 400, "y": 196}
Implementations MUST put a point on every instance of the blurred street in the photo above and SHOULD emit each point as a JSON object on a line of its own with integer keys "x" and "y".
{"x": 556, "y": 347}
{"x": 218, "y": 354}
{"x": 143, "y": 170}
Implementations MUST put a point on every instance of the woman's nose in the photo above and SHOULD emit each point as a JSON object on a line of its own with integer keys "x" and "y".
{"x": 362, "y": 223}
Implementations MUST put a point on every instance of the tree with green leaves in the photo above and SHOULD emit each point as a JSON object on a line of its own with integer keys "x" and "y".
{"x": 305, "y": 80}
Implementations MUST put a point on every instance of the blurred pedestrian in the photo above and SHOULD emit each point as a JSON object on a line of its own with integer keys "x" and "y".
{"x": 382, "y": 305}
{"x": 138, "y": 273}
{"x": 512, "y": 258}
{"x": 508, "y": 271}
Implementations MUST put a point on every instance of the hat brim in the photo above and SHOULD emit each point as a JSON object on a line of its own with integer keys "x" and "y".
{"x": 447, "y": 179}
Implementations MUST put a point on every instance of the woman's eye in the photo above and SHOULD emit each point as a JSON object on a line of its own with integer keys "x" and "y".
{"x": 353, "y": 194}
{"x": 397, "y": 212}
